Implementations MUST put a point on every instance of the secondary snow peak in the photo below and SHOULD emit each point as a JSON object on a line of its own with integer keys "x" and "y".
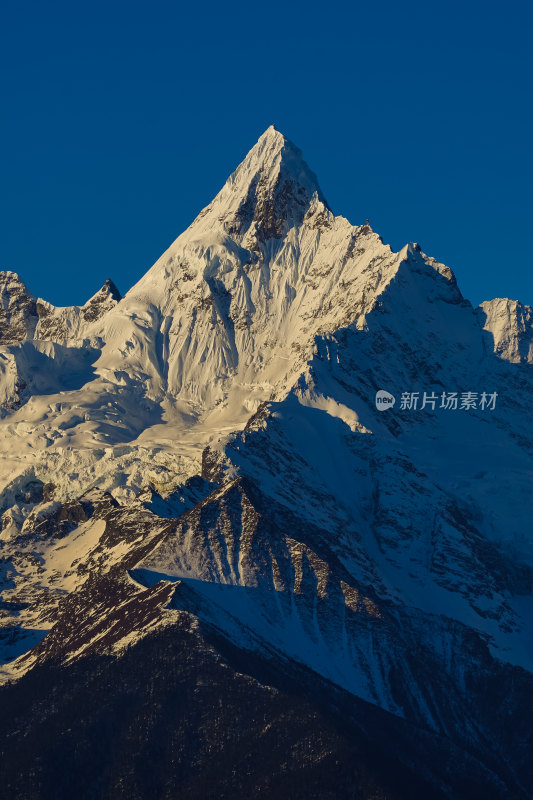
{"x": 111, "y": 289}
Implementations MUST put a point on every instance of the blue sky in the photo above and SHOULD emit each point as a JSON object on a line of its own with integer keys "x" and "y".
{"x": 122, "y": 120}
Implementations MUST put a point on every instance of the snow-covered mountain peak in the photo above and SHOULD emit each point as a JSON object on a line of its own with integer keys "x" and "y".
{"x": 271, "y": 157}
{"x": 413, "y": 257}
{"x": 102, "y": 301}
{"x": 110, "y": 289}
{"x": 268, "y": 193}
{"x": 8, "y": 276}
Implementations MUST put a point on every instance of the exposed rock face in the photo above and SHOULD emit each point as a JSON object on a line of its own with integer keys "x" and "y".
{"x": 18, "y": 310}
{"x": 199, "y": 489}
{"x": 511, "y": 325}
{"x": 102, "y": 302}
{"x": 275, "y": 188}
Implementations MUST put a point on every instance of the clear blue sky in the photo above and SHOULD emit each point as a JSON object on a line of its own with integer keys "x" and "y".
{"x": 121, "y": 120}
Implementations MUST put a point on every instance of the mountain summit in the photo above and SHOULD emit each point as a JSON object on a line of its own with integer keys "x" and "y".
{"x": 198, "y": 481}
{"x": 268, "y": 193}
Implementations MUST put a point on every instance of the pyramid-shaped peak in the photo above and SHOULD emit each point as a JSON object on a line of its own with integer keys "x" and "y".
{"x": 274, "y": 154}
{"x": 269, "y": 192}
{"x": 110, "y": 288}
{"x": 108, "y": 291}
{"x": 101, "y": 302}
{"x": 272, "y": 133}
{"x": 274, "y": 139}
